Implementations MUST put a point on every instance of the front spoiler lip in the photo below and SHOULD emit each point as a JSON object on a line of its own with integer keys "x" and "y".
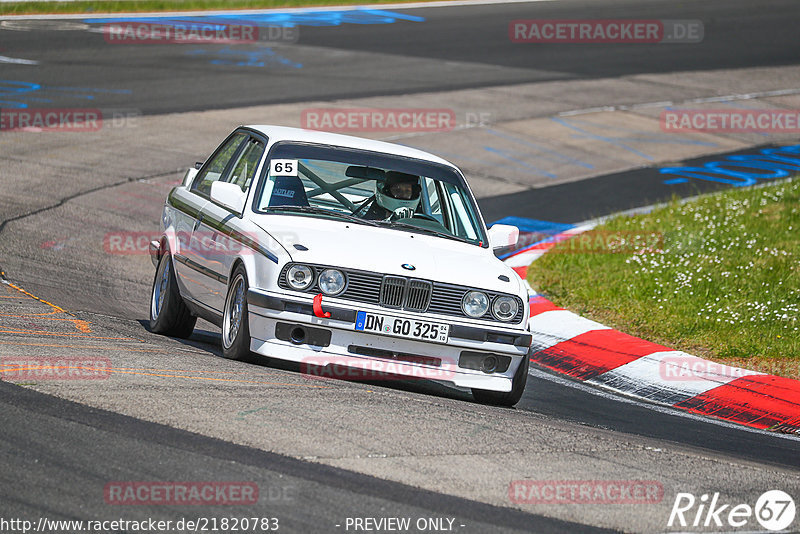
{"x": 263, "y": 300}
{"x": 456, "y": 376}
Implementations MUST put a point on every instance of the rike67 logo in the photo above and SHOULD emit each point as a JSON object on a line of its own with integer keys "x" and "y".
{"x": 774, "y": 510}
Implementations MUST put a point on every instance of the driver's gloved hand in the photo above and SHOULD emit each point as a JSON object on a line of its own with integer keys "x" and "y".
{"x": 403, "y": 213}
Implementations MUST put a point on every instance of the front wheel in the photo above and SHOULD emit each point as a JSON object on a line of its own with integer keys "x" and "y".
{"x": 168, "y": 313}
{"x": 506, "y": 398}
{"x": 235, "y": 327}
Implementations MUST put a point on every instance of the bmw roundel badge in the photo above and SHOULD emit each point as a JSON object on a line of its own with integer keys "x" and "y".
{"x": 408, "y": 267}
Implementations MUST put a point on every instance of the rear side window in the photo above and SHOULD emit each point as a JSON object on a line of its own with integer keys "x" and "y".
{"x": 216, "y": 168}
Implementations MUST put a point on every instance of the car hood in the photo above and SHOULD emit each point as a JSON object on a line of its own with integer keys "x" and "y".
{"x": 385, "y": 251}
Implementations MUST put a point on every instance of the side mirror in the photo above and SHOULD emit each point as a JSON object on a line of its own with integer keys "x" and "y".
{"x": 503, "y": 235}
{"x": 228, "y": 195}
{"x": 188, "y": 177}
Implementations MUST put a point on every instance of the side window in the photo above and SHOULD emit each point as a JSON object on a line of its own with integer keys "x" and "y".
{"x": 463, "y": 217}
{"x": 217, "y": 166}
{"x": 433, "y": 197}
{"x": 434, "y": 200}
{"x": 245, "y": 167}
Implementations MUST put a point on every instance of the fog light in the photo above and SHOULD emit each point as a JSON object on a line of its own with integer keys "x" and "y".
{"x": 298, "y": 335}
{"x": 489, "y": 364}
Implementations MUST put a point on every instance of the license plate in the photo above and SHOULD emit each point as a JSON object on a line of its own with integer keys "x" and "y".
{"x": 399, "y": 327}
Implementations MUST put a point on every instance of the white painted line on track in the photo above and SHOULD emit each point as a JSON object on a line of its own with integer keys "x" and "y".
{"x": 410, "y": 5}
{"x": 4, "y": 59}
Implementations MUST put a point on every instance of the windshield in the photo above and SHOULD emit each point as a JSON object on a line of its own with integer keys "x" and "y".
{"x": 369, "y": 188}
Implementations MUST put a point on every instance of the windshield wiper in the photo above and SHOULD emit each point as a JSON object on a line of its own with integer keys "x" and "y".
{"x": 431, "y": 231}
{"x": 321, "y": 211}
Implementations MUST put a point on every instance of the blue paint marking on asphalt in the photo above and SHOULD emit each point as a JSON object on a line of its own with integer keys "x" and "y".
{"x": 17, "y": 89}
{"x": 620, "y": 142}
{"x": 246, "y": 58}
{"x": 509, "y": 156}
{"x": 23, "y": 92}
{"x": 89, "y": 89}
{"x": 534, "y": 225}
{"x": 611, "y": 140}
{"x": 273, "y": 18}
{"x": 555, "y": 155}
{"x": 739, "y": 170}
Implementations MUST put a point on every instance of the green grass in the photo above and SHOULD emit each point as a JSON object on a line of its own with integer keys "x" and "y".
{"x": 717, "y": 277}
{"x": 20, "y": 8}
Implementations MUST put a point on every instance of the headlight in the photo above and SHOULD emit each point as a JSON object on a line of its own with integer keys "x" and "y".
{"x": 300, "y": 277}
{"x": 475, "y": 304}
{"x": 331, "y": 281}
{"x": 505, "y": 308}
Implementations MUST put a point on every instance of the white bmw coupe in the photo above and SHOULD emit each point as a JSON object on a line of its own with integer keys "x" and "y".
{"x": 336, "y": 251}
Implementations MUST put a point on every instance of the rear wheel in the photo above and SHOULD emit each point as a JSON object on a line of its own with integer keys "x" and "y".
{"x": 235, "y": 325}
{"x": 168, "y": 313}
{"x": 512, "y": 397}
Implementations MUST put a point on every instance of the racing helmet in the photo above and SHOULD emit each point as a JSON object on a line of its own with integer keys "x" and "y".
{"x": 399, "y": 190}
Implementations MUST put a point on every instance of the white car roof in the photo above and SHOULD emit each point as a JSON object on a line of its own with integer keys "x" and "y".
{"x": 284, "y": 133}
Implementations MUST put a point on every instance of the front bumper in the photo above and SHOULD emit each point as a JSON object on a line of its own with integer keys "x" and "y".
{"x": 334, "y": 341}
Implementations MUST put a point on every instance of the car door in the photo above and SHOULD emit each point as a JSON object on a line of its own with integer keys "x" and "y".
{"x": 195, "y": 284}
{"x": 223, "y": 232}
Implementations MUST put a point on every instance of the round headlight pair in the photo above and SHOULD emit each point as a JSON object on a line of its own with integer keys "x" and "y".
{"x": 476, "y": 303}
{"x": 301, "y": 277}
{"x": 331, "y": 281}
{"x": 505, "y": 308}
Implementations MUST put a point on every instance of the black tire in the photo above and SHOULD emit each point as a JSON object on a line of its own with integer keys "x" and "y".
{"x": 168, "y": 313}
{"x": 512, "y": 397}
{"x": 235, "y": 324}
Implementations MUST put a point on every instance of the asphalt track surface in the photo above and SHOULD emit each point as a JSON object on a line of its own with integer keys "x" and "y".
{"x": 79, "y": 448}
{"x": 406, "y": 56}
{"x": 304, "y": 496}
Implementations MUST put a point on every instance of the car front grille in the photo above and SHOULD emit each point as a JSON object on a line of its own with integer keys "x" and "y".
{"x": 393, "y": 291}
{"x": 408, "y": 294}
{"x": 418, "y": 295}
{"x": 400, "y": 292}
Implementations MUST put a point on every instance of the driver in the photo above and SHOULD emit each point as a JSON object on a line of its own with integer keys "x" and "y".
{"x": 396, "y": 198}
